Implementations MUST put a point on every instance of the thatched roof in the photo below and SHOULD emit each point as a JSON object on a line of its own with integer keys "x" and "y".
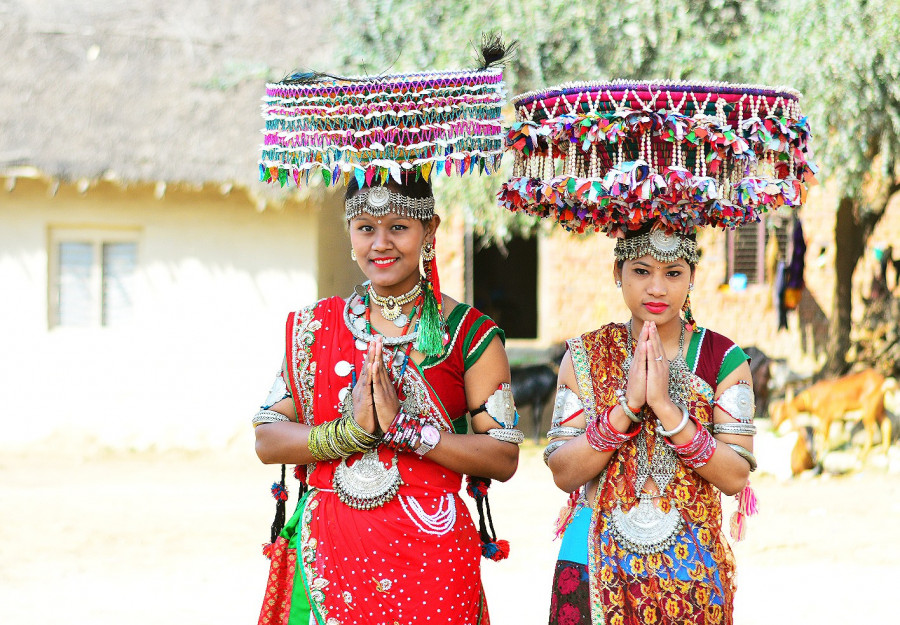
{"x": 147, "y": 91}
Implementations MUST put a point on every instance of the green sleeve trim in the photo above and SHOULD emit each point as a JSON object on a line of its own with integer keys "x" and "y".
{"x": 472, "y": 357}
{"x": 692, "y": 357}
{"x": 461, "y": 425}
{"x": 733, "y": 359}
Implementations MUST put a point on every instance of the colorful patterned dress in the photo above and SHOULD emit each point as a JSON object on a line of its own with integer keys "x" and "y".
{"x": 691, "y": 582}
{"x": 416, "y": 559}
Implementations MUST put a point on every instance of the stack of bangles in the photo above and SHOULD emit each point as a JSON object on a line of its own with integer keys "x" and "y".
{"x": 602, "y": 436}
{"x": 405, "y": 432}
{"x": 339, "y": 439}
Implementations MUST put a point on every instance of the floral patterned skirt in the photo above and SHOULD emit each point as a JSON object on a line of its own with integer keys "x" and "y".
{"x": 681, "y": 585}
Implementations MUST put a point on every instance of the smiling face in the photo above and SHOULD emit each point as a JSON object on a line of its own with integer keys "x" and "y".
{"x": 388, "y": 249}
{"x": 653, "y": 290}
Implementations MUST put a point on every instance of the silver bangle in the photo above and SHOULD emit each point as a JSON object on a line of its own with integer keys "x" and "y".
{"x": 553, "y": 446}
{"x": 744, "y": 453}
{"x": 684, "y": 420}
{"x": 620, "y": 394}
{"x": 507, "y": 435}
{"x": 561, "y": 431}
{"x": 268, "y": 416}
{"x": 737, "y": 427}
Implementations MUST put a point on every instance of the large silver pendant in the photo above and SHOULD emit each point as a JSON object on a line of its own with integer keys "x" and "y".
{"x": 367, "y": 483}
{"x": 645, "y": 528}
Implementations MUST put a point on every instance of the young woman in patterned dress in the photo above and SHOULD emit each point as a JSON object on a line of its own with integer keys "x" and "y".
{"x": 652, "y": 424}
{"x": 393, "y": 542}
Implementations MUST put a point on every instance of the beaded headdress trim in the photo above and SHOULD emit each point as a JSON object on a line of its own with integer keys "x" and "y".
{"x": 613, "y": 156}
{"x": 666, "y": 248}
{"x": 379, "y": 201}
{"x": 375, "y": 128}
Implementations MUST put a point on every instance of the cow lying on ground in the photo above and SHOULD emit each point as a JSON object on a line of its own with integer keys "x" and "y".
{"x": 830, "y": 400}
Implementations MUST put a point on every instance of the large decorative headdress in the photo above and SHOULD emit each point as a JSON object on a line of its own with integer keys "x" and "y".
{"x": 613, "y": 156}
{"x": 379, "y": 127}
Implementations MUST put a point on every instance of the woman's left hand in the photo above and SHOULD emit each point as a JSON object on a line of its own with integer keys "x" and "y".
{"x": 657, "y": 370}
{"x": 384, "y": 395}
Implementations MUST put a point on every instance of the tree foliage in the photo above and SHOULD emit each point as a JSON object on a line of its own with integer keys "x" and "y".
{"x": 842, "y": 55}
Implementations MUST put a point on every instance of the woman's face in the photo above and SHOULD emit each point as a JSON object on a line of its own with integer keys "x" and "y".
{"x": 388, "y": 248}
{"x": 654, "y": 291}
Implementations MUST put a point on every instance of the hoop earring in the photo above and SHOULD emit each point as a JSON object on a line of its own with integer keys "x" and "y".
{"x": 352, "y": 254}
{"x": 428, "y": 252}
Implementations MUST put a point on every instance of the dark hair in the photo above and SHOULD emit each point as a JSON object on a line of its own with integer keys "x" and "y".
{"x": 646, "y": 228}
{"x": 413, "y": 186}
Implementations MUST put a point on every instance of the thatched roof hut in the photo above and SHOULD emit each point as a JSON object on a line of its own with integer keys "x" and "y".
{"x": 156, "y": 92}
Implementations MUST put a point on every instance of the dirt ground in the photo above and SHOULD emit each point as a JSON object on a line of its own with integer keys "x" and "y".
{"x": 174, "y": 538}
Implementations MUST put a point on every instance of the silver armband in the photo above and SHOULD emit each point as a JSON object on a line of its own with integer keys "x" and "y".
{"x": 507, "y": 435}
{"x": 553, "y": 446}
{"x": 566, "y": 405}
{"x": 736, "y": 427}
{"x": 268, "y": 416}
{"x": 561, "y": 431}
{"x": 278, "y": 392}
{"x": 737, "y": 402}
{"x": 744, "y": 453}
{"x": 501, "y": 407}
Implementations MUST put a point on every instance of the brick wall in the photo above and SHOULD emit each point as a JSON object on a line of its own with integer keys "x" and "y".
{"x": 577, "y": 291}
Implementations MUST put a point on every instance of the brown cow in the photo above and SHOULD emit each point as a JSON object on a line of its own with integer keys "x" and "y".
{"x": 830, "y": 400}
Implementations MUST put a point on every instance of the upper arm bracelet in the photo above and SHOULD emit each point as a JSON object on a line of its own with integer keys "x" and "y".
{"x": 268, "y": 416}
{"x": 566, "y": 406}
{"x": 744, "y": 453}
{"x": 507, "y": 435}
{"x": 738, "y": 427}
{"x": 560, "y": 431}
{"x": 737, "y": 402}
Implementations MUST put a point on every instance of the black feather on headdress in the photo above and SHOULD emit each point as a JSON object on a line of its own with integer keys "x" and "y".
{"x": 309, "y": 77}
{"x": 493, "y": 52}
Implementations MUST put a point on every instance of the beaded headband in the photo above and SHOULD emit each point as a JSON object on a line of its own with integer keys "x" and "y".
{"x": 665, "y": 248}
{"x": 379, "y": 201}
{"x": 613, "y": 156}
{"x": 375, "y": 128}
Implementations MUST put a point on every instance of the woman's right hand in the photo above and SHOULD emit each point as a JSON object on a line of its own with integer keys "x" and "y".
{"x": 636, "y": 392}
{"x": 362, "y": 397}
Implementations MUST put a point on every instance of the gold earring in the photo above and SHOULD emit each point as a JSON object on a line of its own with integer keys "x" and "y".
{"x": 428, "y": 252}
{"x": 352, "y": 254}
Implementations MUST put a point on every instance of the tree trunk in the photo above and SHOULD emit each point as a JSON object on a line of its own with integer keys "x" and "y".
{"x": 849, "y": 237}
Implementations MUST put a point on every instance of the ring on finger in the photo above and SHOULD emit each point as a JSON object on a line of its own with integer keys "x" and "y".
{"x": 658, "y": 358}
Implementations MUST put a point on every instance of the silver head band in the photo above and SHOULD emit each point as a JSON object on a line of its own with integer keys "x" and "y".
{"x": 379, "y": 201}
{"x": 665, "y": 248}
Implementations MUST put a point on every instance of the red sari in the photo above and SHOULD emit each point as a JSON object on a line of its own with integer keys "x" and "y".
{"x": 407, "y": 561}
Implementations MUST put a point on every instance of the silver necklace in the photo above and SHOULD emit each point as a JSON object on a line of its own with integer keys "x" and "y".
{"x": 357, "y": 326}
{"x": 645, "y": 528}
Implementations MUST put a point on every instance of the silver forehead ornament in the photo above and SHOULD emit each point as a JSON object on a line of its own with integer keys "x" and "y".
{"x": 378, "y": 197}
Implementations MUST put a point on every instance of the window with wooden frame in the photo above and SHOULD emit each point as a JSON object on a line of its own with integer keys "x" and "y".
{"x": 91, "y": 277}
{"x": 749, "y": 248}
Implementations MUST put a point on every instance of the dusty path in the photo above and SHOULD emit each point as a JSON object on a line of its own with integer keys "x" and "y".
{"x": 175, "y": 539}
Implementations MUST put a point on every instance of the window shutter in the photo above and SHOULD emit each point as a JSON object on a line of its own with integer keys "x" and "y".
{"x": 119, "y": 261}
{"x": 76, "y": 260}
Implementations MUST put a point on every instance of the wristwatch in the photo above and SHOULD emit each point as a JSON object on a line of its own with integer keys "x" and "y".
{"x": 430, "y": 437}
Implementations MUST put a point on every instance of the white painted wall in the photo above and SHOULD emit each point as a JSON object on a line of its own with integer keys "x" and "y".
{"x": 215, "y": 281}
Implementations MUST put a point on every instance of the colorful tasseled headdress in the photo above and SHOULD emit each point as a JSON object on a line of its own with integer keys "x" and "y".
{"x": 613, "y": 156}
{"x": 376, "y": 127}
